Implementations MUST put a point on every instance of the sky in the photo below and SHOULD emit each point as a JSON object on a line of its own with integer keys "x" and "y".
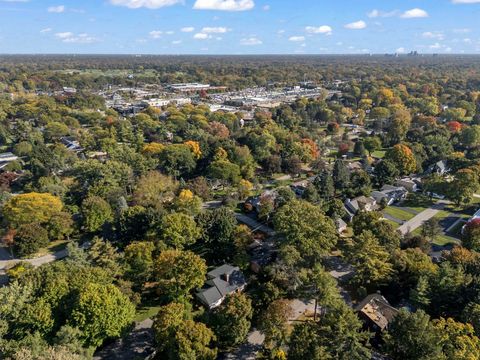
{"x": 239, "y": 26}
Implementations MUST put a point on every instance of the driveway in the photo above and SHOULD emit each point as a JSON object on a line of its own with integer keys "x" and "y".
{"x": 139, "y": 344}
{"x": 254, "y": 224}
{"x": 418, "y": 220}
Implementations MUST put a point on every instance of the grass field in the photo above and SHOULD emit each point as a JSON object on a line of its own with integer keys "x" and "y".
{"x": 146, "y": 312}
{"x": 398, "y": 213}
{"x": 379, "y": 154}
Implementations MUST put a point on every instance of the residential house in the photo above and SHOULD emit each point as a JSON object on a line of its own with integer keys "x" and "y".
{"x": 222, "y": 281}
{"x": 341, "y": 226}
{"x": 361, "y": 203}
{"x": 440, "y": 167}
{"x": 411, "y": 184}
{"x": 7, "y": 158}
{"x": 261, "y": 253}
{"x": 390, "y": 194}
{"x": 376, "y": 312}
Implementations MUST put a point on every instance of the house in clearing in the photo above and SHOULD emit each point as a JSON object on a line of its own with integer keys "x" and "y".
{"x": 376, "y": 312}
{"x": 222, "y": 281}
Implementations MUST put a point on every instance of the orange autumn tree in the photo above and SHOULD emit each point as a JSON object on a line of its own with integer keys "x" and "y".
{"x": 402, "y": 156}
{"x": 195, "y": 148}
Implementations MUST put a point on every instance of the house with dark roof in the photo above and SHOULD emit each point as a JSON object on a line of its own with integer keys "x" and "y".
{"x": 376, "y": 312}
{"x": 222, "y": 281}
{"x": 361, "y": 203}
{"x": 390, "y": 194}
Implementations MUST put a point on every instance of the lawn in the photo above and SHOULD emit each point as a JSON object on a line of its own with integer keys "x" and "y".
{"x": 398, "y": 213}
{"x": 145, "y": 312}
{"x": 52, "y": 248}
{"x": 440, "y": 240}
{"x": 417, "y": 202}
{"x": 379, "y": 154}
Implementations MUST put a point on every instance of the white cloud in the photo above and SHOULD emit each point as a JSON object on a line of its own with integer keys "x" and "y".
{"x": 69, "y": 37}
{"x": 357, "y": 25}
{"x": 324, "y": 29}
{"x": 465, "y": 1}
{"x": 414, "y": 13}
{"x": 433, "y": 35}
{"x": 400, "y": 50}
{"x": 461, "y": 31}
{"x": 64, "y": 35}
{"x": 155, "y": 34}
{"x": 201, "y": 36}
{"x": 176, "y": 42}
{"x": 436, "y": 46}
{"x": 43, "y": 31}
{"x": 169, "y": 32}
{"x": 215, "y": 30}
{"x": 224, "y": 5}
{"x": 149, "y": 4}
{"x": 297, "y": 38}
{"x": 56, "y": 9}
{"x": 384, "y": 14}
{"x": 252, "y": 41}
{"x": 187, "y": 29}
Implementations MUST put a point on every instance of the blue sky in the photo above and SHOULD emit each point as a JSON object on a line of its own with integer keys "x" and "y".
{"x": 239, "y": 26}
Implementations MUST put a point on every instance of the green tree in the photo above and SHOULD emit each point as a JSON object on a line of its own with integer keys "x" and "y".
{"x": 413, "y": 336}
{"x": 101, "y": 312}
{"x": 96, "y": 213}
{"x": 177, "y": 160}
{"x": 218, "y": 230}
{"x": 371, "y": 261}
{"x": 386, "y": 172}
{"x": 341, "y": 175}
{"x": 274, "y": 323}
{"x": 138, "y": 258}
{"x": 31, "y": 208}
{"x": 231, "y": 321}
{"x": 372, "y": 143}
{"x": 179, "y": 230}
{"x": 306, "y": 227}
{"x": 30, "y": 238}
{"x": 178, "y": 272}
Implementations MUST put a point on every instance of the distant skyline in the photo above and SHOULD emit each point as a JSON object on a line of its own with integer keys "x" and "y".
{"x": 240, "y": 26}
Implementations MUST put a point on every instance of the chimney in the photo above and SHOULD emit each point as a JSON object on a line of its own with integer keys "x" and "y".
{"x": 226, "y": 277}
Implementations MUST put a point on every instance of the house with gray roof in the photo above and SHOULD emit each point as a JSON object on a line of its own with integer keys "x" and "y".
{"x": 222, "y": 281}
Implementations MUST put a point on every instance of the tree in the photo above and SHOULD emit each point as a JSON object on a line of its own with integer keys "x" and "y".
{"x": 31, "y": 208}
{"x": 96, "y": 213}
{"x": 30, "y": 238}
{"x": 402, "y": 157}
{"x": 386, "y": 172}
{"x": 224, "y": 170}
{"x": 399, "y": 125}
{"x": 153, "y": 189}
{"x": 470, "y": 136}
{"x": 177, "y": 160}
{"x": 431, "y": 229}
{"x": 325, "y": 185}
{"x": 337, "y": 335}
{"x": 274, "y": 323}
{"x": 420, "y": 294}
{"x": 371, "y": 261}
{"x": 372, "y": 143}
{"x": 341, "y": 175}
{"x": 359, "y": 148}
{"x": 218, "y": 230}
{"x": 138, "y": 257}
{"x": 178, "y": 272}
{"x": 180, "y": 338}
{"x": 471, "y": 235}
{"x": 459, "y": 340}
{"x": 231, "y": 320}
{"x": 463, "y": 187}
{"x": 306, "y": 227}
{"x": 413, "y": 336}
{"x": 104, "y": 255}
{"x": 101, "y": 312}
{"x": 188, "y": 203}
{"x": 178, "y": 230}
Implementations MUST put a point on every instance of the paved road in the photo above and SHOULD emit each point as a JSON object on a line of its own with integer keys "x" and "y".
{"x": 254, "y": 224}
{"x": 418, "y": 220}
{"x": 5, "y": 264}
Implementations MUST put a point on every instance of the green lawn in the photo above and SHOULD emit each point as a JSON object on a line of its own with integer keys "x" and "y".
{"x": 146, "y": 312}
{"x": 379, "y": 154}
{"x": 441, "y": 240}
{"x": 393, "y": 223}
{"x": 398, "y": 213}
